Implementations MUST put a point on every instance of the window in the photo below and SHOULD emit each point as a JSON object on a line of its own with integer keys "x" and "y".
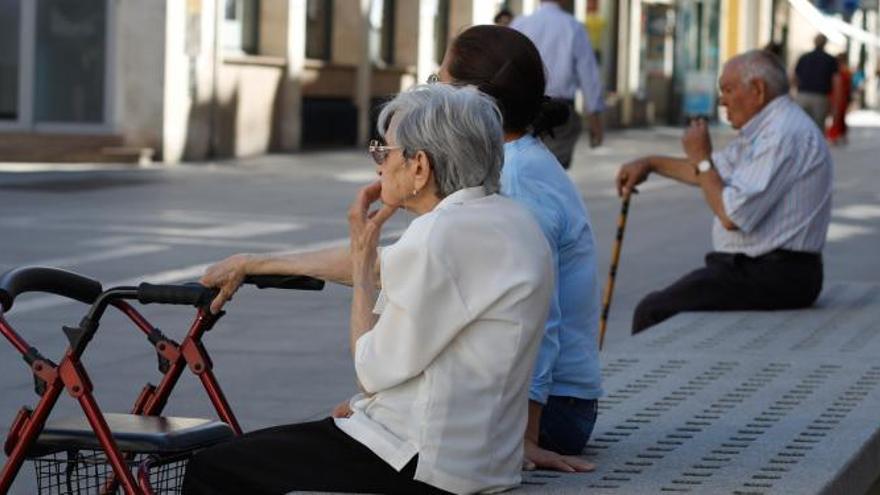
{"x": 319, "y": 29}
{"x": 70, "y": 60}
{"x": 381, "y": 22}
{"x": 9, "y": 33}
{"x": 441, "y": 30}
{"x": 241, "y": 23}
{"x": 386, "y": 49}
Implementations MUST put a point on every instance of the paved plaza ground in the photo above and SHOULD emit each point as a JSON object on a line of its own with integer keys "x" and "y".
{"x": 282, "y": 356}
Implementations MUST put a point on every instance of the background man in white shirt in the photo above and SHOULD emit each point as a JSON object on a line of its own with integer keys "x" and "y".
{"x": 571, "y": 65}
{"x": 770, "y": 192}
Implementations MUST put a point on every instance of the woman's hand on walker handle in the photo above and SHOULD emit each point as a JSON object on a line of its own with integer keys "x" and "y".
{"x": 227, "y": 276}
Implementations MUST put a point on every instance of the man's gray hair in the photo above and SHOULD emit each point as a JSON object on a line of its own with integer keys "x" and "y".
{"x": 459, "y": 128}
{"x": 763, "y": 65}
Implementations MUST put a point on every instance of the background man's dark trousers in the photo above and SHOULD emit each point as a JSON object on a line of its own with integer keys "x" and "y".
{"x": 730, "y": 282}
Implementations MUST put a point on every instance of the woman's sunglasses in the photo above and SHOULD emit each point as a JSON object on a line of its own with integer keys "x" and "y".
{"x": 379, "y": 151}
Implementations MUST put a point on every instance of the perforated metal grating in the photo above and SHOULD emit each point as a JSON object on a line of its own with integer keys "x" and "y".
{"x": 741, "y": 403}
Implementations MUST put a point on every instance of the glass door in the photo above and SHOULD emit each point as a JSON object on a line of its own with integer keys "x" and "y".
{"x": 657, "y": 56}
{"x": 55, "y": 65}
{"x": 70, "y": 62}
{"x": 696, "y": 63}
{"x": 10, "y": 21}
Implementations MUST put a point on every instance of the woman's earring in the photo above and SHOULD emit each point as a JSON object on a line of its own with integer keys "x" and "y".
{"x": 415, "y": 192}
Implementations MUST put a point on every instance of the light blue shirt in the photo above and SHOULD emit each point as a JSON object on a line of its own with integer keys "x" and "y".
{"x": 568, "y": 359}
{"x": 567, "y": 54}
{"x": 777, "y": 177}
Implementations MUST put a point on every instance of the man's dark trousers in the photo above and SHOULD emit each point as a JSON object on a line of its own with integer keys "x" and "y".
{"x": 563, "y": 138}
{"x": 730, "y": 282}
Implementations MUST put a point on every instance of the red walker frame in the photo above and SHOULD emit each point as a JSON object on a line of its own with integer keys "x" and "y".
{"x": 70, "y": 374}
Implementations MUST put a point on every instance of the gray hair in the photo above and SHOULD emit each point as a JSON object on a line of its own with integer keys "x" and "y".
{"x": 763, "y": 65}
{"x": 459, "y": 128}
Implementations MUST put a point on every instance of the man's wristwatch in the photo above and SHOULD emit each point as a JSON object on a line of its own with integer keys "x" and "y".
{"x": 704, "y": 166}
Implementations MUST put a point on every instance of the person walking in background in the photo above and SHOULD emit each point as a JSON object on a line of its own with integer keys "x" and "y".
{"x": 877, "y": 75}
{"x": 858, "y": 86}
{"x": 770, "y": 192}
{"x": 567, "y": 380}
{"x": 841, "y": 96}
{"x": 571, "y": 65}
{"x": 776, "y": 48}
{"x": 813, "y": 74}
{"x": 503, "y": 18}
{"x": 595, "y": 25}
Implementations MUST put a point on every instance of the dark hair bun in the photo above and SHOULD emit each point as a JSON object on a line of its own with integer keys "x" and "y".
{"x": 552, "y": 113}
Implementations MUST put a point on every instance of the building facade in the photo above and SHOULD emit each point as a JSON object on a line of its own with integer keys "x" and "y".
{"x": 671, "y": 51}
{"x": 202, "y": 79}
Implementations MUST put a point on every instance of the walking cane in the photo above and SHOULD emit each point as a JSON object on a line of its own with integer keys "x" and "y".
{"x": 612, "y": 272}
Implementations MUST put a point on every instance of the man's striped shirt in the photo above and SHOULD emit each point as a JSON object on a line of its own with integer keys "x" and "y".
{"x": 777, "y": 177}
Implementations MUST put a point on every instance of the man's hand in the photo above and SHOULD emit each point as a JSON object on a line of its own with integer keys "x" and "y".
{"x": 597, "y": 131}
{"x": 226, "y": 275}
{"x": 342, "y": 410}
{"x": 696, "y": 142}
{"x": 538, "y": 458}
{"x": 632, "y": 174}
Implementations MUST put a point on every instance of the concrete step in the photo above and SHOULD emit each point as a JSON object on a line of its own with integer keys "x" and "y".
{"x": 71, "y": 148}
{"x": 127, "y": 154}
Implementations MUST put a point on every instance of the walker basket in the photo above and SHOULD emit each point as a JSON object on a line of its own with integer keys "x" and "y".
{"x": 68, "y": 459}
{"x": 87, "y": 472}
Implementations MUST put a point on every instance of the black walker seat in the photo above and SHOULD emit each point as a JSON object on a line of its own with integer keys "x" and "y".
{"x": 134, "y": 434}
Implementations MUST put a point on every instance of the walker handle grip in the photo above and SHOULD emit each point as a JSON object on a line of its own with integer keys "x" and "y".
{"x": 43, "y": 279}
{"x": 191, "y": 294}
{"x": 298, "y": 282}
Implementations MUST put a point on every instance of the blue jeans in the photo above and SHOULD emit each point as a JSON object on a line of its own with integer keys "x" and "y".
{"x": 567, "y": 423}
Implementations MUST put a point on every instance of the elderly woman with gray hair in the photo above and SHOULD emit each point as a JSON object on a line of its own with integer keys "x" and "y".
{"x": 445, "y": 323}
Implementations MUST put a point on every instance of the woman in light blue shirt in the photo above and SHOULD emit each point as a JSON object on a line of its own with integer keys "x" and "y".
{"x": 566, "y": 382}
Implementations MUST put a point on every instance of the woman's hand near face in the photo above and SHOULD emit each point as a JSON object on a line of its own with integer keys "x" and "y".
{"x": 365, "y": 228}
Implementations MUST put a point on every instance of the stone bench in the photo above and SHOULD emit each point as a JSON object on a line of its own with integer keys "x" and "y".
{"x": 740, "y": 403}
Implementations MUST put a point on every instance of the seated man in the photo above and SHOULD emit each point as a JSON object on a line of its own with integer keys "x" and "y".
{"x": 770, "y": 191}
{"x": 444, "y": 367}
